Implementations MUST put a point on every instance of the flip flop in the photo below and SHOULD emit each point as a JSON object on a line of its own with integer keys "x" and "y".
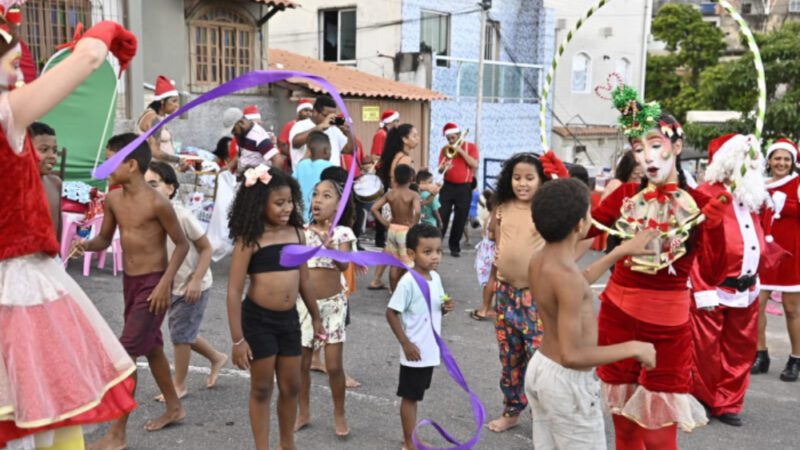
{"x": 475, "y": 316}
{"x": 380, "y": 287}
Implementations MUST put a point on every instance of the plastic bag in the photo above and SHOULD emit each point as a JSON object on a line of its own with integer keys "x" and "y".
{"x": 218, "y": 232}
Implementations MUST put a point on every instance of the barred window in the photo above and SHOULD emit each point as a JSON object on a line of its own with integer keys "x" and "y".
{"x": 221, "y": 43}
{"x": 49, "y": 23}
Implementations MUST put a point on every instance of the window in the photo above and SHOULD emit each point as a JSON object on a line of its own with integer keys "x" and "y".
{"x": 492, "y": 51}
{"x": 221, "y": 46}
{"x": 747, "y": 8}
{"x": 49, "y": 23}
{"x": 624, "y": 69}
{"x": 435, "y": 34}
{"x": 581, "y": 72}
{"x": 794, "y": 6}
{"x": 338, "y": 35}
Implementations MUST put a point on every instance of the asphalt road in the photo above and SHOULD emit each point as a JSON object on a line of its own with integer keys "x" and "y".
{"x": 218, "y": 418}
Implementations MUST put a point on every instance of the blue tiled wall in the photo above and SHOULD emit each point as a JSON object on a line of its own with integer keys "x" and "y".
{"x": 527, "y": 33}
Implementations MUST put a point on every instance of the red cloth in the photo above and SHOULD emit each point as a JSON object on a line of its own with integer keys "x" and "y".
{"x": 673, "y": 351}
{"x": 732, "y": 258}
{"x": 784, "y": 276}
{"x": 378, "y": 141}
{"x": 116, "y": 402}
{"x": 25, "y": 225}
{"x": 141, "y": 332}
{"x": 659, "y": 307}
{"x": 725, "y": 342}
{"x": 703, "y": 244}
{"x": 460, "y": 173}
{"x": 284, "y": 136}
{"x": 346, "y": 159}
{"x": 26, "y": 64}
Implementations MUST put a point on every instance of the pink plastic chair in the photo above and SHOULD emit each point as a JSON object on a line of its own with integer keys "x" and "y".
{"x": 69, "y": 231}
{"x": 116, "y": 249}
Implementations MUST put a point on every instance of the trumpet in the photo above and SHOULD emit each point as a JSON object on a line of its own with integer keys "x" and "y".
{"x": 451, "y": 151}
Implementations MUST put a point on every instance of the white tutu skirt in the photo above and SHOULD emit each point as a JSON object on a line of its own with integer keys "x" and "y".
{"x": 60, "y": 363}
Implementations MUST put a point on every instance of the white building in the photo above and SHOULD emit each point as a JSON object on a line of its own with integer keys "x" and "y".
{"x": 614, "y": 39}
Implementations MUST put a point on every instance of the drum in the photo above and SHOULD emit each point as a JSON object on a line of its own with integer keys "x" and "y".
{"x": 368, "y": 188}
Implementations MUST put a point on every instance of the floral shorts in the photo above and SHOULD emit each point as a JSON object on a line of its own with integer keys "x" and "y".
{"x": 332, "y": 311}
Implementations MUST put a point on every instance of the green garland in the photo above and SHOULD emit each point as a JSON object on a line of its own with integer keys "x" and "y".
{"x": 636, "y": 118}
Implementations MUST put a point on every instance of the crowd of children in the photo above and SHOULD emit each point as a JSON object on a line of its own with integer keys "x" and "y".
{"x": 533, "y": 230}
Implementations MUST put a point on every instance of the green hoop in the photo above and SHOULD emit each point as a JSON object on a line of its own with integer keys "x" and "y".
{"x": 744, "y": 28}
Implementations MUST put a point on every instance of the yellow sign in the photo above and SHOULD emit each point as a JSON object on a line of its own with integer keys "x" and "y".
{"x": 370, "y": 113}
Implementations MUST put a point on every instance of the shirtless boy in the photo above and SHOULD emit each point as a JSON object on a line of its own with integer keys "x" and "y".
{"x": 145, "y": 219}
{"x": 44, "y": 141}
{"x": 560, "y": 385}
{"x": 405, "y": 206}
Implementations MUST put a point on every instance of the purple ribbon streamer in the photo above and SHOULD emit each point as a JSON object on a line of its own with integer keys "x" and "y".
{"x": 296, "y": 255}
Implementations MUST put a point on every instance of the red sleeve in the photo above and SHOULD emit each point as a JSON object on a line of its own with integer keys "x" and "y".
{"x": 377, "y": 143}
{"x": 711, "y": 249}
{"x": 473, "y": 151}
{"x": 287, "y": 128}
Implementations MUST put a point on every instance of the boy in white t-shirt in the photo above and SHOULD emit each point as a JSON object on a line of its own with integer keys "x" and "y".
{"x": 413, "y": 323}
{"x": 191, "y": 287}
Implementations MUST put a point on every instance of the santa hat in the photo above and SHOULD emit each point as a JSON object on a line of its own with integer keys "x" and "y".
{"x": 165, "y": 88}
{"x": 783, "y": 144}
{"x": 251, "y": 112}
{"x": 304, "y": 104}
{"x": 726, "y": 154}
{"x": 389, "y": 116}
{"x": 450, "y": 128}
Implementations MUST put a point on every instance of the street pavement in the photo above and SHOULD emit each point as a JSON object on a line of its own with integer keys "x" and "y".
{"x": 218, "y": 418}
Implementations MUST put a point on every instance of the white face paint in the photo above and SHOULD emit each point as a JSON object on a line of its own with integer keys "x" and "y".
{"x": 10, "y": 72}
{"x": 656, "y": 154}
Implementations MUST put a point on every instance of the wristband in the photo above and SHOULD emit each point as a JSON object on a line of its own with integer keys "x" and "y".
{"x": 239, "y": 342}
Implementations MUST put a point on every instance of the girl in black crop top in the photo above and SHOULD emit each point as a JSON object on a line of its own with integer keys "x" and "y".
{"x": 264, "y": 219}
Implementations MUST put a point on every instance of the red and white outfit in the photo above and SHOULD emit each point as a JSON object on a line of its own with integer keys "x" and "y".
{"x": 781, "y": 222}
{"x": 61, "y": 366}
{"x": 726, "y": 335}
{"x": 647, "y": 299}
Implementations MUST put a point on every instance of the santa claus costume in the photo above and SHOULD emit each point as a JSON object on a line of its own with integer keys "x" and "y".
{"x": 647, "y": 298}
{"x": 781, "y": 221}
{"x": 725, "y": 317}
{"x": 61, "y": 366}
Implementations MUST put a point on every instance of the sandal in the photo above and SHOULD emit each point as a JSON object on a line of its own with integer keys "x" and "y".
{"x": 475, "y": 316}
{"x": 379, "y": 287}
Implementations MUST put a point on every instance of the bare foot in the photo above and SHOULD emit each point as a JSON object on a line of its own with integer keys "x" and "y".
{"x": 503, "y": 423}
{"x": 350, "y": 382}
{"x": 216, "y": 366}
{"x": 181, "y": 391}
{"x": 166, "y": 419}
{"x": 340, "y": 423}
{"x": 301, "y": 422}
{"x": 108, "y": 442}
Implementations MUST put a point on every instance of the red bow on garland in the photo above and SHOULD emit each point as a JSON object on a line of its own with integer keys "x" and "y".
{"x": 663, "y": 226}
{"x": 661, "y": 193}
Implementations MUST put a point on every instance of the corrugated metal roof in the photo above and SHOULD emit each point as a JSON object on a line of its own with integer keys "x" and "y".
{"x": 600, "y": 131}
{"x": 348, "y": 81}
{"x": 278, "y": 3}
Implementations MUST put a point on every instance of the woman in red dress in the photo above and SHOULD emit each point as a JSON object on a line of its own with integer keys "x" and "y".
{"x": 781, "y": 223}
{"x": 61, "y": 366}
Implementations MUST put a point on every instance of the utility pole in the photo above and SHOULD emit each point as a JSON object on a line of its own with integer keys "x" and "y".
{"x": 485, "y": 5}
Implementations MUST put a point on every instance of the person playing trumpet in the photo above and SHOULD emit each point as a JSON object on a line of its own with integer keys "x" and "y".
{"x": 457, "y": 162}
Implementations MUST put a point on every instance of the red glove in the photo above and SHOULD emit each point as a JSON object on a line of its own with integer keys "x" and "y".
{"x": 120, "y": 42}
{"x": 715, "y": 209}
{"x": 553, "y": 167}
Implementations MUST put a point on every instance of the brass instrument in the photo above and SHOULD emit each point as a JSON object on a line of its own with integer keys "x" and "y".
{"x": 451, "y": 151}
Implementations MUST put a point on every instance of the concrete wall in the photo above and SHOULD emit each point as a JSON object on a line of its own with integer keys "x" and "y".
{"x": 526, "y": 31}
{"x": 298, "y": 30}
{"x": 626, "y": 18}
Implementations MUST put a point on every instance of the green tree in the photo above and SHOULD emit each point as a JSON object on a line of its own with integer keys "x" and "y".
{"x": 697, "y": 44}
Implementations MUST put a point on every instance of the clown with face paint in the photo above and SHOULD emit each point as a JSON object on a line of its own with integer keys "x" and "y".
{"x": 647, "y": 298}
{"x": 61, "y": 366}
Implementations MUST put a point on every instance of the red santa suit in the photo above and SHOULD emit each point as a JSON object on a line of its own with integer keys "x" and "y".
{"x": 781, "y": 222}
{"x": 725, "y": 316}
{"x": 647, "y": 299}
